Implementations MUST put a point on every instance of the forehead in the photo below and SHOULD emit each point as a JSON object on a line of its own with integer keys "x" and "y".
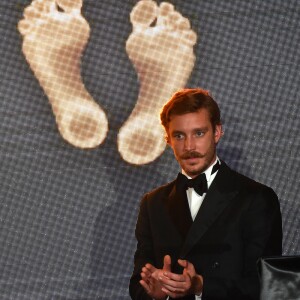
{"x": 190, "y": 121}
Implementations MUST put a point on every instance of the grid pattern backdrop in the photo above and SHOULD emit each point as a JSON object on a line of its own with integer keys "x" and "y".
{"x": 67, "y": 215}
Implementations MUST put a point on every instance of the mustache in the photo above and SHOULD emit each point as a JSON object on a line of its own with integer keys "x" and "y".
{"x": 192, "y": 154}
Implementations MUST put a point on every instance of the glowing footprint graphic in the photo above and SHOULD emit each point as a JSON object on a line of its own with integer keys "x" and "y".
{"x": 161, "y": 49}
{"x": 54, "y": 37}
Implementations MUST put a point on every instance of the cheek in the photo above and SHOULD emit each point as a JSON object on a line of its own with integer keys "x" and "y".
{"x": 177, "y": 151}
{"x": 203, "y": 145}
{"x": 206, "y": 146}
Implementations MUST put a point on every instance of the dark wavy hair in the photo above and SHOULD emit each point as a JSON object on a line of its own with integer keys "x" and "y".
{"x": 190, "y": 100}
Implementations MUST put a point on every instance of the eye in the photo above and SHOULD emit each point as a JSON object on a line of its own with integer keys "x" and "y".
{"x": 178, "y": 136}
{"x": 199, "y": 133}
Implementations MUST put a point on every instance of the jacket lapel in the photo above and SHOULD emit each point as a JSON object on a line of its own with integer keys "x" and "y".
{"x": 179, "y": 211}
{"x": 221, "y": 191}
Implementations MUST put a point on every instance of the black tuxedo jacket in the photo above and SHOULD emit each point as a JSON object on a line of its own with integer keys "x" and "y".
{"x": 238, "y": 222}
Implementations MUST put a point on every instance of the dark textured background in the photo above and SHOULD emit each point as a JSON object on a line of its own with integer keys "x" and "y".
{"x": 67, "y": 216}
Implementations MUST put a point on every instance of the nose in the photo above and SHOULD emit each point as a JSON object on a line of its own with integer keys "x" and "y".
{"x": 189, "y": 143}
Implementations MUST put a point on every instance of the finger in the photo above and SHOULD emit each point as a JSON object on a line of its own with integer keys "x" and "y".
{"x": 146, "y": 271}
{"x": 174, "y": 277}
{"x": 146, "y": 286}
{"x": 173, "y": 294}
{"x": 167, "y": 263}
{"x": 187, "y": 275}
{"x": 150, "y": 268}
{"x": 172, "y": 291}
{"x": 172, "y": 285}
{"x": 187, "y": 265}
{"x": 183, "y": 263}
{"x": 145, "y": 276}
{"x": 157, "y": 274}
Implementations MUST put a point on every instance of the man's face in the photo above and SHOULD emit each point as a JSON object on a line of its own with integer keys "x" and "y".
{"x": 193, "y": 141}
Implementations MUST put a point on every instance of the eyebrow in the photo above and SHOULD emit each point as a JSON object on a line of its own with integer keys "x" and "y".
{"x": 176, "y": 132}
{"x": 204, "y": 129}
{"x": 201, "y": 129}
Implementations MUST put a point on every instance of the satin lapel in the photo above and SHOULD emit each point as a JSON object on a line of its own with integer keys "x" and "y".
{"x": 222, "y": 190}
{"x": 179, "y": 211}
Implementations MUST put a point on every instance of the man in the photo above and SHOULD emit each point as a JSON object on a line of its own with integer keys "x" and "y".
{"x": 200, "y": 238}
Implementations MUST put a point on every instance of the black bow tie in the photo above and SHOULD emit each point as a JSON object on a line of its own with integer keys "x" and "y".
{"x": 199, "y": 183}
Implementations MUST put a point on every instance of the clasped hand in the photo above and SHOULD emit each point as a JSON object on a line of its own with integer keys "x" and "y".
{"x": 161, "y": 283}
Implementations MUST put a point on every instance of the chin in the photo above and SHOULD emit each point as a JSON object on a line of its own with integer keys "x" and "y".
{"x": 192, "y": 171}
{"x": 196, "y": 170}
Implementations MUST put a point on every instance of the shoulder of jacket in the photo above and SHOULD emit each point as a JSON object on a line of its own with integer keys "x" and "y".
{"x": 160, "y": 191}
{"x": 254, "y": 186}
{"x": 250, "y": 184}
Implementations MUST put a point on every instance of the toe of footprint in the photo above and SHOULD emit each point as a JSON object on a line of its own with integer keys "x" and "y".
{"x": 143, "y": 14}
{"x": 69, "y": 5}
{"x": 173, "y": 21}
{"x": 32, "y": 14}
{"x": 165, "y": 9}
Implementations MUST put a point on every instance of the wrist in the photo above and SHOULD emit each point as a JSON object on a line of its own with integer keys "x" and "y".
{"x": 198, "y": 285}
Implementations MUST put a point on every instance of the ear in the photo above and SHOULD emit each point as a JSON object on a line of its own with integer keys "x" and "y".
{"x": 168, "y": 139}
{"x": 218, "y": 133}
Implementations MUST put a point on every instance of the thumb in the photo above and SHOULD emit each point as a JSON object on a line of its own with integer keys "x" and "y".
{"x": 167, "y": 263}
